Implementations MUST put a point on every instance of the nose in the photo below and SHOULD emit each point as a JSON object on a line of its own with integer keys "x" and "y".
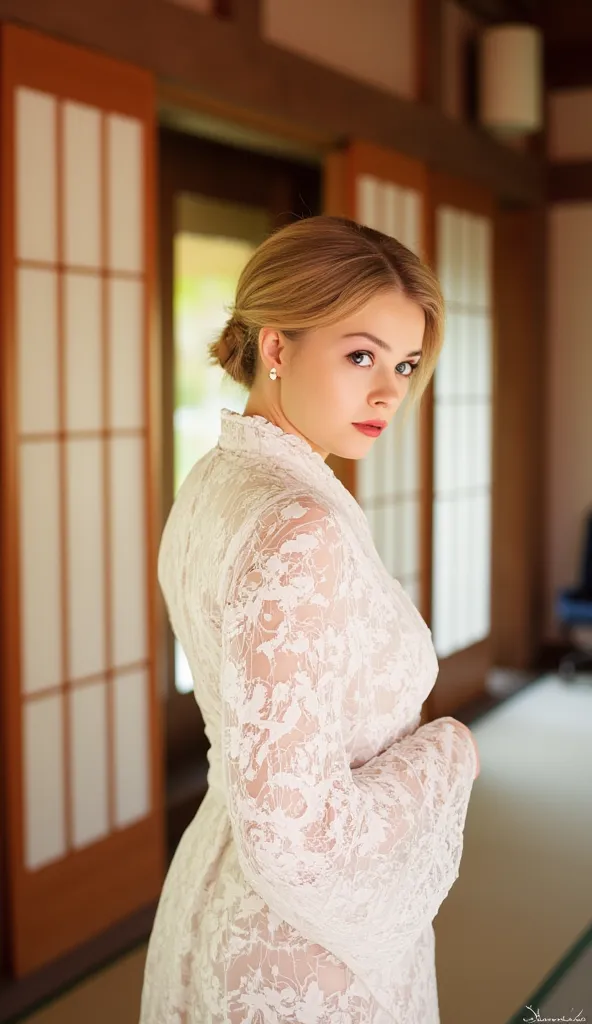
{"x": 389, "y": 394}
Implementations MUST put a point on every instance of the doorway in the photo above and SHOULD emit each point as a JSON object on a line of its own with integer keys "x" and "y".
{"x": 216, "y": 204}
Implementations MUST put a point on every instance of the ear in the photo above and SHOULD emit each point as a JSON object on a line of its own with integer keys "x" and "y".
{"x": 272, "y": 349}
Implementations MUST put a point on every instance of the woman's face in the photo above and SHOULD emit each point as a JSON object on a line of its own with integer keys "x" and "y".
{"x": 333, "y": 377}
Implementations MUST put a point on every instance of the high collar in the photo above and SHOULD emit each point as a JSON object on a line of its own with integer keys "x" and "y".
{"x": 257, "y": 435}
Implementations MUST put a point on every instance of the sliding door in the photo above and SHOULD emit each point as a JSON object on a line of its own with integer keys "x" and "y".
{"x": 81, "y": 757}
{"x": 387, "y": 191}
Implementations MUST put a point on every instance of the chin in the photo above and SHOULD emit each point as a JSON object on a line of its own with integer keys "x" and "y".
{"x": 354, "y": 451}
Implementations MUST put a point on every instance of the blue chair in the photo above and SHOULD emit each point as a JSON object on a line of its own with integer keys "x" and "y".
{"x": 573, "y": 607}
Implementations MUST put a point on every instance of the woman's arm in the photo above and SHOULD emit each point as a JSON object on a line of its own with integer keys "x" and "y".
{"x": 357, "y": 860}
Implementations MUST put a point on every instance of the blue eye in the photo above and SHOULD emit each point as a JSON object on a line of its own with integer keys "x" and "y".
{"x": 412, "y": 366}
{"x": 359, "y": 353}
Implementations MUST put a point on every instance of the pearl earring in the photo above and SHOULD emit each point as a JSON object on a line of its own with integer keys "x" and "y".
{"x": 273, "y": 373}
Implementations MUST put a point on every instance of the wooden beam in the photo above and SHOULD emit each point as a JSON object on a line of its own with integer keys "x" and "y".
{"x": 568, "y": 21}
{"x": 249, "y": 77}
{"x": 429, "y": 51}
{"x": 498, "y": 11}
{"x": 570, "y": 183}
{"x": 568, "y": 65}
{"x": 248, "y": 15}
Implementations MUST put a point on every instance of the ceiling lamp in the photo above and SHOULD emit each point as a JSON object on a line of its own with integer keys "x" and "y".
{"x": 511, "y": 79}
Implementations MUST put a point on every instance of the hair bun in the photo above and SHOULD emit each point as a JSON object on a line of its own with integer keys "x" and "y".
{"x": 229, "y": 341}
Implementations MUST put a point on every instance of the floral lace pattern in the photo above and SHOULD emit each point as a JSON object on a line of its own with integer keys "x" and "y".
{"x": 305, "y": 888}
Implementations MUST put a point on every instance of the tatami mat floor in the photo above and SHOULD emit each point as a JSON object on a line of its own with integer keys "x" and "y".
{"x": 524, "y": 893}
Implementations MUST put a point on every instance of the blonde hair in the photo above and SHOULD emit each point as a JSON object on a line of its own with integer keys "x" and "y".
{"x": 315, "y": 272}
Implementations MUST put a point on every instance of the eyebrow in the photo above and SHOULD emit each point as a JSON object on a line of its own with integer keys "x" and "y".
{"x": 377, "y": 341}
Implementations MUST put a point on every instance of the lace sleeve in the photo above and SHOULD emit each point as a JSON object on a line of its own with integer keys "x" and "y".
{"x": 357, "y": 860}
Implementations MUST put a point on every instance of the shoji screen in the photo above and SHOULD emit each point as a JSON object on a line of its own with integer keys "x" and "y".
{"x": 463, "y": 429}
{"x": 81, "y": 757}
{"x": 387, "y": 191}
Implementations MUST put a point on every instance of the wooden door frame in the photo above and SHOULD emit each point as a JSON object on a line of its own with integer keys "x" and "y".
{"x": 194, "y": 164}
{"x": 462, "y": 675}
{"x": 342, "y": 169}
{"x": 47, "y": 917}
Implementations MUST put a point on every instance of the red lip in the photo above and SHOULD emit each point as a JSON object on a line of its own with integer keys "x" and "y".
{"x": 372, "y": 428}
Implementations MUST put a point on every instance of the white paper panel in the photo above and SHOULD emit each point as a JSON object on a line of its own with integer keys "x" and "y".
{"x": 409, "y": 480}
{"x": 463, "y": 570}
{"x": 444, "y": 453}
{"x": 82, "y": 185}
{"x": 466, "y": 280}
{"x": 86, "y": 557}
{"x": 368, "y": 201}
{"x": 465, "y": 355}
{"x": 483, "y": 242}
{"x": 43, "y": 753}
{"x": 484, "y": 477}
{"x": 392, "y": 541}
{"x": 410, "y": 512}
{"x": 390, "y": 467}
{"x": 392, "y": 210}
{"x": 363, "y": 480}
{"x": 132, "y": 747}
{"x": 465, "y": 450}
{"x": 483, "y": 566}
{"x": 370, "y": 516}
{"x": 380, "y": 527}
{"x": 35, "y": 131}
{"x": 40, "y": 563}
{"x": 37, "y": 350}
{"x": 128, "y": 550}
{"x": 84, "y": 373}
{"x": 126, "y": 354}
{"x": 88, "y": 762}
{"x": 411, "y": 588}
{"x": 445, "y": 243}
{"x": 485, "y": 358}
{"x": 446, "y": 370}
{"x": 411, "y": 229}
{"x": 462, "y": 435}
{"x": 472, "y": 342}
{"x": 379, "y": 460}
{"x": 473, "y": 263}
{"x": 444, "y": 592}
{"x": 126, "y": 194}
{"x": 367, "y": 476}
{"x": 388, "y": 208}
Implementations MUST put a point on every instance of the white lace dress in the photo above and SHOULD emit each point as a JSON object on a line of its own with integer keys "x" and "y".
{"x": 306, "y": 886}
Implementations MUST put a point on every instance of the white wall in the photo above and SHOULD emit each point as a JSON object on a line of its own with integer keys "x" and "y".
{"x": 570, "y": 125}
{"x": 569, "y": 397}
{"x": 569, "y": 389}
{"x": 373, "y": 41}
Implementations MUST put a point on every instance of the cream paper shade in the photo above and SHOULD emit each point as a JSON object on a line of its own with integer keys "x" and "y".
{"x": 510, "y": 93}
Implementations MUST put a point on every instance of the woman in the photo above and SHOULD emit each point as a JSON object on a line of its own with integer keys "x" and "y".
{"x": 305, "y": 888}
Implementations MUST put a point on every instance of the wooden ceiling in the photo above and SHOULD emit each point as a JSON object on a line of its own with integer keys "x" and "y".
{"x": 567, "y": 26}
{"x": 500, "y": 11}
